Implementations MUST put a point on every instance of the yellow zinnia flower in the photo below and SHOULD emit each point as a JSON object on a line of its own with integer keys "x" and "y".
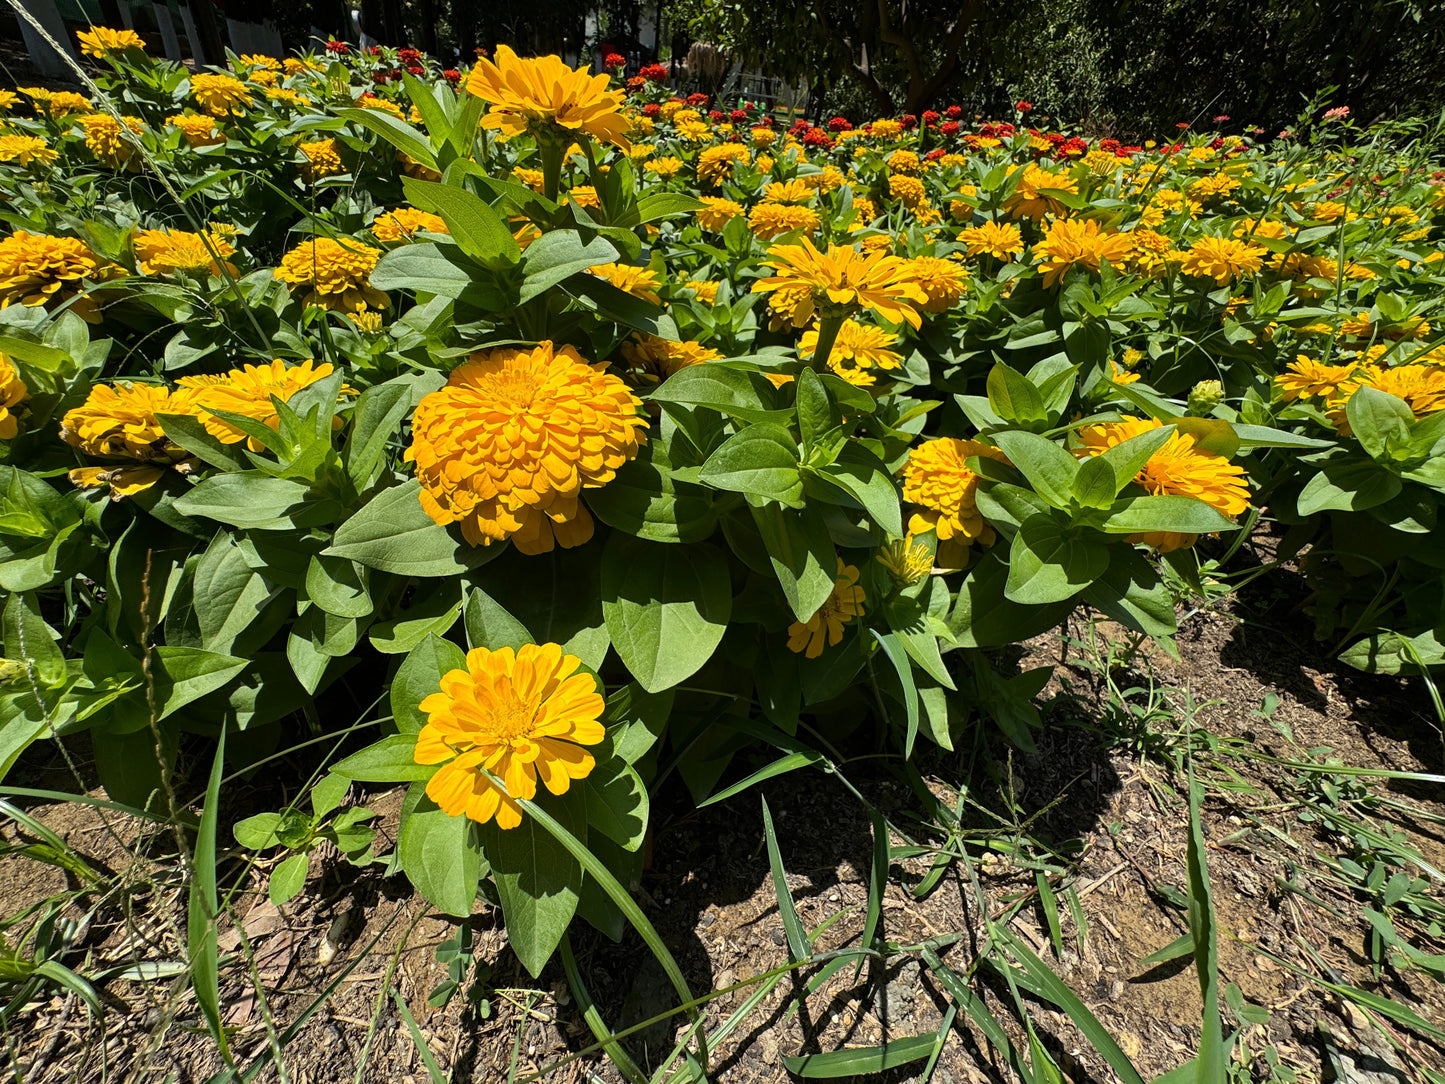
{"x": 907, "y": 561}
{"x": 337, "y": 272}
{"x": 119, "y": 422}
{"x": 858, "y": 348}
{"x": 663, "y": 167}
{"x": 637, "y": 281}
{"x": 1001, "y": 240}
{"x": 907, "y": 190}
{"x": 794, "y": 191}
{"x": 25, "y": 150}
{"x": 826, "y": 626}
{"x": 1179, "y": 468}
{"x": 12, "y": 393}
{"x": 842, "y": 281}
{"x": 542, "y": 95}
{"x": 199, "y": 130}
{"x": 164, "y": 252}
{"x": 1222, "y": 259}
{"x": 111, "y": 143}
{"x": 938, "y": 479}
{"x": 1072, "y": 242}
{"x": 219, "y": 95}
{"x": 771, "y": 220}
{"x": 715, "y": 164}
{"x": 1031, "y": 198}
{"x": 322, "y": 159}
{"x": 506, "y": 448}
{"x": 62, "y": 103}
{"x": 100, "y": 40}
{"x": 654, "y": 359}
{"x": 36, "y": 269}
{"x": 403, "y": 223}
{"x": 248, "y": 391}
{"x": 942, "y": 281}
{"x": 513, "y": 714}
{"x": 717, "y": 213}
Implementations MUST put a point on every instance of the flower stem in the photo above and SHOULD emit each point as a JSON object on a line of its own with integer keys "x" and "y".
{"x": 828, "y": 327}
{"x": 553, "y": 150}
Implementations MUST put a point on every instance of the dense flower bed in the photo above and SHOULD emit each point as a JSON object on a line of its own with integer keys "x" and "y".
{"x": 695, "y": 428}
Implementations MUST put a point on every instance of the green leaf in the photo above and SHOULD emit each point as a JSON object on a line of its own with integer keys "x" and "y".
{"x": 617, "y": 804}
{"x": 815, "y": 411}
{"x": 798, "y": 948}
{"x": 390, "y": 760}
{"x": 984, "y": 617}
{"x": 1185, "y": 515}
{"x": 636, "y": 719}
{"x": 559, "y": 255}
{"x": 735, "y": 392}
{"x": 1012, "y": 397}
{"x": 1180, "y": 946}
{"x": 420, "y": 676}
{"x": 438, "y": 854}
{"x": 187, "y": 431}
{"x": 204, "y": 909}
{"x": 760, "y": 462}
{"x": 287, "y": 879}
{"x": 245, "y": 499}
{"x": 781, "y": 766}
{"x": 801, "y": 553}
{"x": 1380, "y": 422}
{"x": 864, "y": 477}
{"x": 28, "y": 639}
{"x": 257, "y": 833}
{"x": 395, "y": 131}
{"x": 1048, "y": 468}
{"x": 489, "y": 625}
{"x": 659, "y": 205}
{"x": 433, "y": 608}
{"x": 863, "y": 1060}
{"x": 1213, "y": 1068}
{"x": 893, "y": 648}
{"x": 375, "y": 422}
{"x": 180, "y": 675}
{"x": 1051, "y": 562}
{"x": 228, "y": 595}
{"x": 480, "y": 232}
{"x": 393, "y": 533}
{"x": 1132, "y": 593}
{"x": 1095, "y": 486}
{"x": 1348, "y": 484}
{"x": 643, "y": 499}
{"x": 557, "y": 596}
{"x": 538, "y": 879}
{"x": 428, "y": 268}
{"x": 666, "y": 607}
{"x": 338, "y": 586}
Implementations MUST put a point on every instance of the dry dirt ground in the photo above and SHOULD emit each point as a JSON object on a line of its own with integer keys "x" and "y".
{"x": 1115, "y": 810}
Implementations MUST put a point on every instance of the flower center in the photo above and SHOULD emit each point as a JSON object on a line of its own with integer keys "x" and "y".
{"x": 509, "y": 720}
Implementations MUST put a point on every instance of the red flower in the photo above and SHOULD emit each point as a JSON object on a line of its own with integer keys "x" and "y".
{"x": 337, "y": 48}
{"x": 929, "y": 117}
{"x": 839, "y": 124}
{"x": 909, "y": 120}
{"x": 738, "y": 116}
{"x": 1216, "y": 143}
{"x": 1221, "y": 118}
{"x": 697, "y": 99}
{"x": 651, "y": 109}
{"x": 1023, "y": 107}
{"x": 636, "y": 83}
{"x": 409, "y": 56}
{"x": 715, "y": 115}
{"x": 614, "y": 60}
{"x": 816, "y": 137}
{"x": 1182, "y": 124}
{"x": 373, "y": 50}
{"x": 480, "y": 52}
{"x": 935, "y": 154}
{"x": 950, "y": 127}
{"x": 657, "y": 73}
{"x": 953, "y": 112}
{"x": 416, "y": 69}
{"x": 451, "y": 75}
{"x": 380, "y": 78}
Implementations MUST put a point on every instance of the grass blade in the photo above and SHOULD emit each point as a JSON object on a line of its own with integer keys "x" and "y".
{"x": 792, "y": 925}
{"x": 971, "y": 1004}
{"x": 862, "y": 1060}
{"x": 600, "y": 1031}
{"x": 1180, "y": 946}
{"x": 781, "y": 766}
{"x": 1211, "y": 1068}
{"x": 1050, "y": 904}
{"x": 204, "y": 908}
{"x": 893, "y": 647}
{"x": 433, "y": 1070}
{"x": 877, "y": 884}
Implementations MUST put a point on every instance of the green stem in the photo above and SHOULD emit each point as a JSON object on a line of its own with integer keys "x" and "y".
{"x": 828, "y": 327}
{"x": 553, "y": 151}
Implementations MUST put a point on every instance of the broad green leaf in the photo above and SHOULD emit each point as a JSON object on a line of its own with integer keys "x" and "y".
{"x": 183, "y": 674}
{"x": 636, "y": 720}
{"x": 246, "y": 499}
{"x": 666, "y": 607}
{"x": 736, "y": 392}
{"x": 228, "y": 594}
{"x": 489, "y": 625}
{"x": 287, "y": 879}
{"x": 428, "y": 268}
{"x": 864, "y": 477}
{"x": 420, "y": 676}
{"x": 439, "y": 855}
{"x": 558, "y": 255}
{"x": 643, "y": 499}
{"x": 480, "y": 232}
{"x": 1380, "y": 422}
{"x": 257, "y": 833}
{"x": 1052, "y": 562}
{"x": 862, "y": 1060}
{"x": 760, "y": 462}
{"x": 1348, "y": 484}
{"x": 617, "y": 804}
{"x": 390, "y": 760}
{"x": 28, "y": 639}
{"x": 187, "y": 431}
{"x": 395, "y": 131}
{"x": 1013, "y": 397}
{"x": 801, "y": 553}
{"x": 393, "y": 533}
{"x": 1185, "y": 515}
{"x": 338, "y": 586}
{"x": 1049, "y": 469}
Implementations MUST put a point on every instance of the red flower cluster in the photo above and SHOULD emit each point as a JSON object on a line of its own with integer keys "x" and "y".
{"x": 929, "y": 118}
{"x": 697, "y": 99}
{"x": 337, "y": 48}
{"x": 409, "y": 56}
{"x": 656, "y": 73}
{"x": 373, "y": 50}
{"x": 738, "y": 116}
{"x": 651, "y": 109}
{"x": 614, "y": 60}
{"x": 999, "y": 131}
{"x": 953, "y": 112}
{"x": 934, "y": 155}
{"x": 715, "y": 115}
{"x": 950, "y": 127}
{"x": 816, "y": 137}
{"x": 840, "y": 124}
{"x": 1023, "y": 107}
{"x": 452, "y": 76}
{"x": 909, "y": 121}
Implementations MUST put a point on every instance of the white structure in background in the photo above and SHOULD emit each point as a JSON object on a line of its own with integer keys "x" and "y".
{"x": 261, "y": 38}
{"x": 167, "y": 26}
{"x": 42, "y": 53}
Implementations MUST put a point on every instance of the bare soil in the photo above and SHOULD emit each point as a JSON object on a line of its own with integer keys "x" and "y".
{"x": 1122, "y": 817}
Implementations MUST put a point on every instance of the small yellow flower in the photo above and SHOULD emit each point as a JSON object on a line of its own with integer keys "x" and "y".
{"x": 637, "y": 281}
{"x": 25, "y": 150}
{"x": 1072, "y": 242}
{"x": 165, "y": 252}
{"x": 1222, "y": 259}
{"x": 655, "y": 359}
{"x": 337, "y": 273}
{"x": 112, "y": 144}
{"x": 858, "y": 348}
{"x": 842, "y": 281}
{"x": 219, "y": 95}
{"x": 943, "y": 282}
{"x": 937, "y": 478}
{"x": 715, "y": 164}
{"x": 1001, "y": 240}
{"x": 249, "y": 391}
{"x": 99, "y": 41}
{"x": 663, "y": 167}
{"x": 907, "y": 561}
{"x": 826, "y": 626}
{"x": 403, "y": 223}
{"x": 322, "y": 159}
{"x": 198, "y": 130}
{"x": 1032, "y": 199}
{"x": 770, "y": 220}
{"x": 118, "y": 422}
{"x": 13, "y": 392}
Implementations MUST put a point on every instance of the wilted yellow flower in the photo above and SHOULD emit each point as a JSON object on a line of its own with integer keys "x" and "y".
{"x": 770, "y": 220}
{"x": 842, "y": 281}
{"x": 1001, "y": 240}
{"x": 826, "y": 626}
{"x": 25, "y": 150}
{"x": 1179, "y": 469}
{"x": 907, "y": 561}
{"x": 248, "y": 391}
{"x": 513, "y": 714}
{"x": 322, "y": 159}
{"x": 13, "y": 392}
{"x": 36, "y": 269}
{"x": 100, "y": 40}
{"x": 506, "y": 448}
{"x": 542, "y": 94}
{"x": 112, "y": 144}
{"x": 1072, "y": 242}
{"x": 166, "y": 252}
{"x": 403, "y": 223}
{"x": 337, "y": 273}
{"x": 654, "y": 359}
{"x": 858, "y": 348}
{"x": 942, "y": 281}
{"x": 219, "y": 95}
{"x": 1222, "y": 259}
{"x": 199, "y": 130}
{"x": 938, "y": 479}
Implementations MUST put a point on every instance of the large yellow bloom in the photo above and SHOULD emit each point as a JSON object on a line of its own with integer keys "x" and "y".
{"x": 794, "y": 191}
{"x": 12, "y": 393}
{"x": 715, "y": 164}
{"x": 541, "y": 93}
{"x": 770, "y": 220}
{"x": 199, "y": 129}
{"x": 942, "y": 281}
{"x": 1421, "y": 386}
{"x": 336, "y": 271}
{"x": 220, "y": 94}
{"x": 100, "y": 40}
{"x": 858, "y": 348}
{"x": 1222, "y": 259}
{"x": 1305, "y": 378}
{"x": 516, "y": 715}
{"x": 322, "y": 159}
{"x": 826, "y": 626}
{"x": 248, "y": 391}
{"x": 938, "y": 479}
{"x": 119, "y": 422}
{"x": 25, "y": 150}
{"x": 36, "y": 269}
{"x": 1031, "y": 198}
{"x": 908, "y": 190}
{"x": 1180, "y": 468}
{"x": 1072, "y": 242}
{"x": 112, "y": 144}
{"x": 637, "y": 281}
{"x": 1001, "y": 240}
{"x": 403, "y": 223}
{"x": 717, "y": 213}
{"x": 167, "y": 252}
{"x": 842, "y": 281}
{"x": 62, "y": 103}
{"x": 506, "y": 448}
